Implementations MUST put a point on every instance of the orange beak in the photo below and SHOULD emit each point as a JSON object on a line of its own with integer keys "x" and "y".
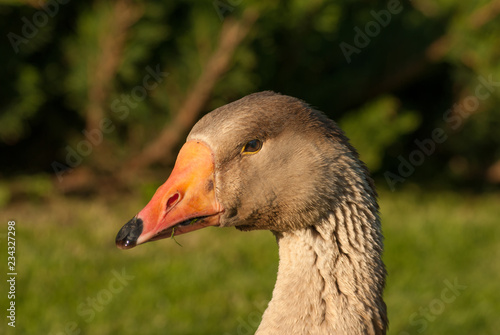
{"x": 186, "y": 202}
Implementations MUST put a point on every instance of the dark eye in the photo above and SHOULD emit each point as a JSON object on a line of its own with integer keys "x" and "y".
{"x": 252, "y": 147}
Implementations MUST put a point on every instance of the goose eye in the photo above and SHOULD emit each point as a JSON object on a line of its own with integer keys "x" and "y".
{"x": 252, "y": 147}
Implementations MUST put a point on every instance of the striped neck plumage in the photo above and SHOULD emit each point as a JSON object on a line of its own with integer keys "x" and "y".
{"x": 331, "y": 277}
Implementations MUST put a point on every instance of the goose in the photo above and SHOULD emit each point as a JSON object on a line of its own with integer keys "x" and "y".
{"x": 270, "y": 161}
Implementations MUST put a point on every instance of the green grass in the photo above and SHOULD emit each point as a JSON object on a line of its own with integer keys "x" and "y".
{"x": 219, "y": 281}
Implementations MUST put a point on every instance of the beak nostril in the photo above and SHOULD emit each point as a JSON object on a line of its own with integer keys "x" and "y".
{"x": 172, "y": 201}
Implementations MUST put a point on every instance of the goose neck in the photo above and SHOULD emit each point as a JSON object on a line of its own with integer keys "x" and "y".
{"x": 330, "y": 280}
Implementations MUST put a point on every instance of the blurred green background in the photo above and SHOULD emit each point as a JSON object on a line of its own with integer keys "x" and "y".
{"x": 97, "y": 97}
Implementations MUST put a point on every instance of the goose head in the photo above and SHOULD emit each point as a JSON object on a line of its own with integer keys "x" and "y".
{"x": 266, "y": 161}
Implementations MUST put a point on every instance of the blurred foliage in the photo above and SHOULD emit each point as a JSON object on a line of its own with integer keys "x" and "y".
{"x": 4, "y": 194}
{"x": 66, "y": 63}
{"x": 376, "y": 126}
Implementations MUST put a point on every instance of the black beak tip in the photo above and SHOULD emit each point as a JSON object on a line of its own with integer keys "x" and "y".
{"x": 128, "y": 235}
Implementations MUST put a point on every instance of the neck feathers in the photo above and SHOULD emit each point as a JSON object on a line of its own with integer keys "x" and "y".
{"x": 331, "y": 276}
